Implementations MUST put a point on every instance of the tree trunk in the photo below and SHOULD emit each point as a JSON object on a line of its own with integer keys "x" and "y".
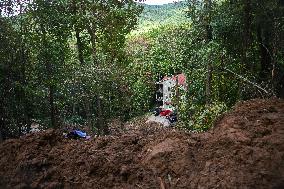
{"x": 52, "y": 107}
{"x": 209, "y": 82}
{"x": 247, "y": 34}
{"x": 265, "y": 59}
{"x": 209, "y": 37}
{"x": 24, "y": 60}
{"x": 78, "y": 38}
{"x": 93, "y": 34}
{"x": 51, "y": 87}
{"x": 22, "y": 116}
{"x": 1, "y": 137}
{"x": 79, "y": 46}
{"x": 247, "y": 22}
{"x": 103, "y": 129}
{"x": 88, "y": 113}
{"x": 86, "y": 101}
{"x": 1, "y": 128}
{"x": 274, "y": 71}
{"x": 92, "y": 30}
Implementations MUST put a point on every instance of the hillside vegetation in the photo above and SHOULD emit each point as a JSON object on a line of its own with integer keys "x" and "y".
{"x": 77, "y": 62}
{"x": 154, "y": 16}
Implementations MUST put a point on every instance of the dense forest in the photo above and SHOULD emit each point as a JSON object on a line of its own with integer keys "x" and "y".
{"x": 86, "y": 62}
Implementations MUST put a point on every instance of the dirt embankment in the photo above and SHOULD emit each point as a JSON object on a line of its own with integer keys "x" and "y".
{"x": 244, "y": 150}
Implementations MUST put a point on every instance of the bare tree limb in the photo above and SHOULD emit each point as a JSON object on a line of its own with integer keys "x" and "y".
{"x": 246, "y": 80}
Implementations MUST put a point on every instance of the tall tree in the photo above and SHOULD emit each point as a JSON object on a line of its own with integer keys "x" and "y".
{"x": 50, "y": 31}
{"x": 209, "y": 37}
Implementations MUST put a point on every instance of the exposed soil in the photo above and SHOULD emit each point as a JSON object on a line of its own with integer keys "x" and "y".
{"x": 245, "y": 149}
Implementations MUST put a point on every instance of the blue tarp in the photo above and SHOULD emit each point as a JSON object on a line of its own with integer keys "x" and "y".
{"x": 80, "y": 133}
{"x": 76, "y": 134}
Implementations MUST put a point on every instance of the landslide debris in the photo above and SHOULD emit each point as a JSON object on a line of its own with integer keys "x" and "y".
{"x": 245, "y": 149}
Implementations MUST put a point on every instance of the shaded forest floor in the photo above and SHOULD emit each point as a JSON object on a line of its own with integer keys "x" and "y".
{"x": 245, "y": 149}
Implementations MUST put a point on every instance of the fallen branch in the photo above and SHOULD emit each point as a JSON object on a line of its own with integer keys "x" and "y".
{"x": 246, "y": 80}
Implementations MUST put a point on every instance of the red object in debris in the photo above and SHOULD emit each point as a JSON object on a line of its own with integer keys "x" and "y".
{"x": 165, "y": 112}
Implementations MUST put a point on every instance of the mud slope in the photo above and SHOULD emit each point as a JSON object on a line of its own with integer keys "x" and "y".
{"x": 244, "y": 150}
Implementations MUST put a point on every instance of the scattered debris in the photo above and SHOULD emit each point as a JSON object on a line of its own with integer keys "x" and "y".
{"x": 166, "y": 117}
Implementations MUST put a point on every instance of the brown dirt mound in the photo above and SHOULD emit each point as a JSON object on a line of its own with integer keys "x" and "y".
{"x": 244, "y": 150}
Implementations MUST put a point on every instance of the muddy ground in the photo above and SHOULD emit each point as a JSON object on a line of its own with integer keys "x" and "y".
{"x": 245, "y": 149}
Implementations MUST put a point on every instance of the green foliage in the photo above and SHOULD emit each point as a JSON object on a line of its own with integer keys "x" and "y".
{"x": 77, "y": 120}
{"x": 155, "y": 16}
{"x": 66, "y": 57}
{"x": 76, "y": 61}
{"x": 201, "y": 118}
